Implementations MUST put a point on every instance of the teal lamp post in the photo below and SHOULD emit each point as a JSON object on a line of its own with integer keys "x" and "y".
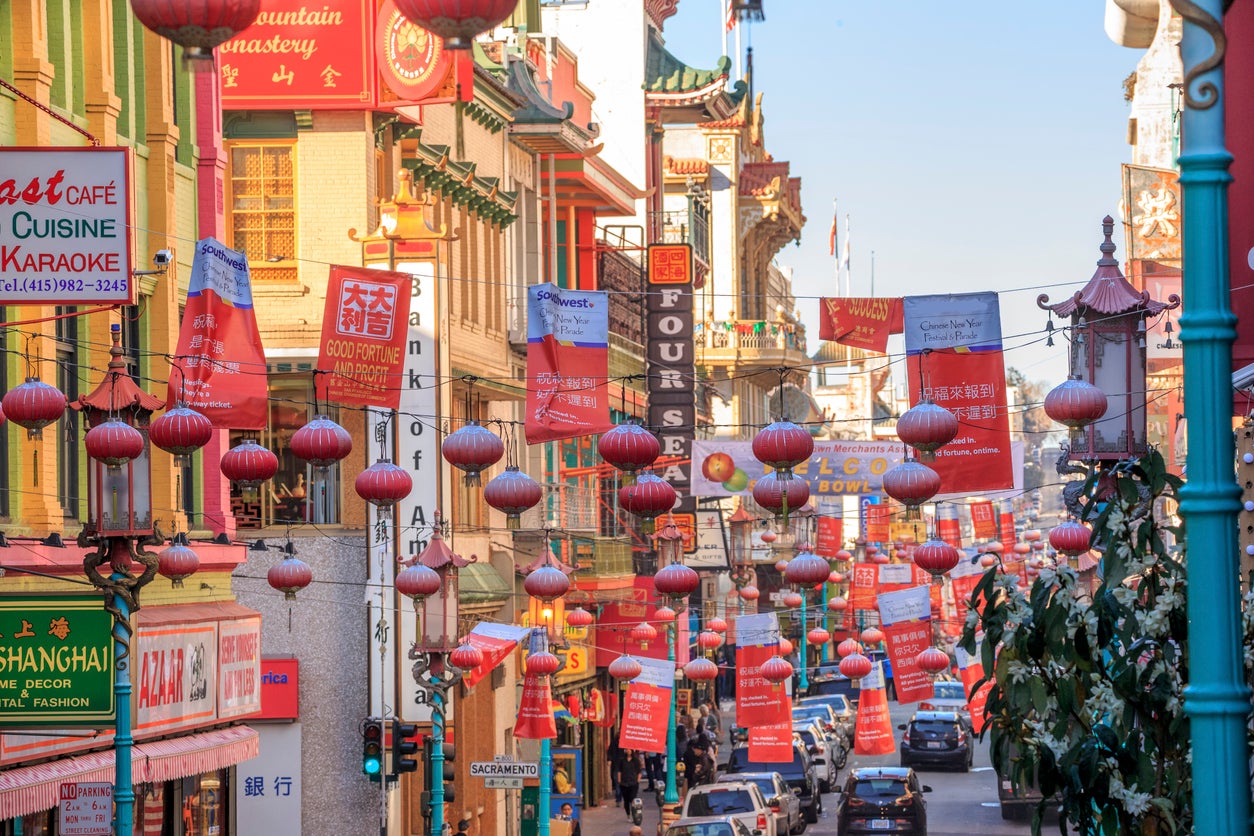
{"x": 1216, "y": 698}
{"x": 805, "y": 571}
{"x": 676, "y": 582}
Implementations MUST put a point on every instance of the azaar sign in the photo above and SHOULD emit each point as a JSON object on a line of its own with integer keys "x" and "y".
{"x": 672, "y": 405}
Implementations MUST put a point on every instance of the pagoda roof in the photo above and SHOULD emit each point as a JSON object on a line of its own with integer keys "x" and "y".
{"x": 1108, "y": 292}
{"x": 686, "y": 165}
{"x": 118, "y": 392}
{"x": 671, "y": 83}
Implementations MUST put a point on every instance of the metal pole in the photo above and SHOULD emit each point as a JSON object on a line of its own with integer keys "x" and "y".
{"x": 123, "y": 789}
{"x": 546, "y": 769}
{"x": 804, "y": 682}
{"x": 671, "y": 796}
{"x": 437, "y": 763}
{"x": 827, "y": 625}
{"x": 1216, "y": 698}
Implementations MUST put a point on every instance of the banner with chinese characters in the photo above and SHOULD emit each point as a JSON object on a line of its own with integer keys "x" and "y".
{"x": 829, "y": 537}
{"x": 535, "y": 710}
{"x": 771, "y": 744}
{"x": 219, "y": 367}
{"x": 758, "y": 702}
{"x": 1006, "y": 525}
{"x": 567, "y": 363}
{"x": 672, "y": 381}
{"x": 863, "y": 580}
{"x": 302, "y": 58}
{"x": 953, "y": 344}
{"x": 364, "y": 327}
{"x": 879, "y": 519}
{"x": 906, "y": 619}
{"x": 948, "y": 526}
{"x": 971, "y": 669}
{"x": 496, "y": 642}
{"x": 860, "y": 323}
{"x": 836, "y": 468}
{"x": 983, "y": 521}
{"x": 963, "y": 579}
{"x": 646, "y": 707}
{"x": 873, "y": 730}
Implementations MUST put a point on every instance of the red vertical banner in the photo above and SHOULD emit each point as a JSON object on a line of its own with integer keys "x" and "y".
{"x": 948, "y": 528}
{"x": 758, "y": 702}
{"x": 535, "y": 710}
{"x": 878, "y": 521}
{"x": 962, "y": 581}
{"x": 567, "y": 363}
{"x": 1006, "y": 526}
{"x": 219, "y": 367}
{"x": 953, "y": 344}
{"x": 865, "y": 578}
{"x": 873, "y": 731}
{"x": 829, "y": 536}
{"x": 771, "y": 744}
{"x": 365, "y": 324}
{"x": 495, "y": 641}
{"x": 983, "y": 520}
{"x": 906, "y": 619}
{"x": 971, "y": 669}
{"x": 647, "y": 706}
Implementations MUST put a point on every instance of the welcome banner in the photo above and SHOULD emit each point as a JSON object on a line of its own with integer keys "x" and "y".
{"x": 219, "y": 368}
{"x": 567, "y": 363}
{"x": 873, "y": 731}
{"x": 496, "y": 641}
{"x": 837, "y": 468}
{"x": 860, "y": 322}
{"x": 365, "y": 324}
{"x": 953, "y": 344}
{"x": 758, "y": 702}
{"x": 906, "y": 619}
{"x": 647, "y": 706}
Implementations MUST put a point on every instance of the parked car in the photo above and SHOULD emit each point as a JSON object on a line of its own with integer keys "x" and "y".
{"x": 820, "y": 712}
{"x": 882, "y": 799}
{"x": 939, "y": 738}
{"x": 708, "y": 826}
{"x": 741, "y": 800}
{"x": 799, "y": 773}
{"x": 846, "y": 717}
{"x": 822, "y": 750}
{"x": 948, "y": 695}
{"x": 827, "y": 679}
{"x": 783, "y": 802}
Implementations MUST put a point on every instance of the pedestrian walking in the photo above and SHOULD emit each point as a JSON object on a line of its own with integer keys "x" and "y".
{"x": 630, "y": 766}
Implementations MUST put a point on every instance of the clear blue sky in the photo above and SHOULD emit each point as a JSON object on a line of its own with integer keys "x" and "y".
{"x": 975, "y": 145}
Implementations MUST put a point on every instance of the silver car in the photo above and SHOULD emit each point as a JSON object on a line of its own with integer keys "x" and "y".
{"x": 779, "y": 797}
{"x": 708, "y": 826}
{"x": 821, "y": 752}
{"x": 740, "y": 800}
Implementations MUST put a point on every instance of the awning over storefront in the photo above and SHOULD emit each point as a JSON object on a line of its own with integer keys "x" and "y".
{"x": 29, "y": 789}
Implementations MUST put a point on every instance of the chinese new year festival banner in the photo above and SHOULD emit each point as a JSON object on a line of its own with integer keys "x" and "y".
{"x": 364, "y": 326}
{"x": 861, "y": 323}
{"x": 567, "y": 363}
{"x": 906, "y": 619}
{"x": 647, "y": 706}
{"x": 953, "y": 345}
{"x": 495, "y": 641}
{"x": 873, "y": 731}
{"x": 219, "y": 368}
{"x": 758, "y": 702}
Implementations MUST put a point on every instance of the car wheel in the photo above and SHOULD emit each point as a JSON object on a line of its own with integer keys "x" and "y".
{"x": 812, "y": 813}
{"x": 799, "y": 827}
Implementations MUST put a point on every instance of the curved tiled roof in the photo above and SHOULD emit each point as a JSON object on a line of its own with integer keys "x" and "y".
{"x": 686, "y": 165}
{"x": 664, "y": 73}
{"x": 1108, "y": 292}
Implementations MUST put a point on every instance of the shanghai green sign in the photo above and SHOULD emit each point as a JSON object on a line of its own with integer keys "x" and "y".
{"x": 56, "y": 661}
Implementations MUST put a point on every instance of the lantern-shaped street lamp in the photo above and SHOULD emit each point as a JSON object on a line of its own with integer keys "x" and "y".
{"x": 741, "y": 524}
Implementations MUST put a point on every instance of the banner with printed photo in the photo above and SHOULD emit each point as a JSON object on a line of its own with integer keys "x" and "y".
{"x": 983, "y": 520}
{"x": 837, "y": 468}
{"x": 365, "y": 323}
{"x": 906, "y": 619}
{"x": 861, "y": 323}
{"x": 496, "y": 642}
{"x": 535, "y": 710}
{"x": 219, "y": 367}
{"x": 771, "y": 744}
{"x": 758, "y": 702}
{"x": 567, "y": 363}
{"x": 873, "y": 730}
{"x": 646, "y": 707}
{"x": 953, "y": 344}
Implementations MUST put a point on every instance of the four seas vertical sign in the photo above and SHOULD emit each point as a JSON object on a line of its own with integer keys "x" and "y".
{"x": 671, "y": 375}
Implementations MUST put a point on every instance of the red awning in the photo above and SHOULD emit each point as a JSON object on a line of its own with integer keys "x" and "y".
{"x": 29, "y": 789}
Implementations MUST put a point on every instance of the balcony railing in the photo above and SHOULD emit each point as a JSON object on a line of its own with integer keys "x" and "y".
{"x": 744, "y": 334}
{"x": 604, "y": 556}
{"x": 679, "y": 226}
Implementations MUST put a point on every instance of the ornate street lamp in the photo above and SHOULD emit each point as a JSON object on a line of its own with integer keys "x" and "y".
{"x": 805, "y": 571}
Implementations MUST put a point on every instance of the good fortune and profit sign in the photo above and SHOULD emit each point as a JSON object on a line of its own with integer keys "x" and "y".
{"x": 56, "y": 661}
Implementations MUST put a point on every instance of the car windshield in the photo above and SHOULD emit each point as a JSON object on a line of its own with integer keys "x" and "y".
{"x": 719, "y": 803}
{"x": 766, "y": 785}
{"x": 933, "y": 726}
{"x": 880, "y": 788}
{"x": 807, "y": 736}
{"x": 948, "y": 691}
{"x": 809, "y": 713}
{"x": 714, "y": 828}
{"x": 740, "y": 759}
{"x": 838, "y": 703}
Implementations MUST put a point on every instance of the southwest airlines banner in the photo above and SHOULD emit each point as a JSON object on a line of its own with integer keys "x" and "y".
{"x": 758, "y": 702}
{"x": 495, "y": 641}
{"x": 829, "y": 537}
{"x": 364, "y": 328}
{"x": 953, "y": 343}
{"x": 906, "y": 619}
{"x": 837, "y": 468}
{"x": 567, "y": 363}
{"x": 219, "y": 368}
{"x": 647, "y": 706}
{"x": 860, "y": 323}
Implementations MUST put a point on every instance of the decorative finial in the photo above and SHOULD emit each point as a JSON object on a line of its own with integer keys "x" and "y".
{"x": 1108, "y": 246}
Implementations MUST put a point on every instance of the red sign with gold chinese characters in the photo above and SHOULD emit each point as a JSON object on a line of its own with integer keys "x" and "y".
{"x": 306, "y": 57}
{"x": 412, "y": 61}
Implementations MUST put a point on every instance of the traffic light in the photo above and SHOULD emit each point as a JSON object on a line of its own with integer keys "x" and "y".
{"x": 404, "y": 747}
{"x": 372, "y": 749}
{"x": 450, "y": 772}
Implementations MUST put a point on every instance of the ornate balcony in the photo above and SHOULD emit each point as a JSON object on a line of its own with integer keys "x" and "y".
{"x": 745, "y": 342}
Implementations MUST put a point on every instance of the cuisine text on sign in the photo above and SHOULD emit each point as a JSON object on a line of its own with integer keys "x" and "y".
{"x": 504, "y": 769}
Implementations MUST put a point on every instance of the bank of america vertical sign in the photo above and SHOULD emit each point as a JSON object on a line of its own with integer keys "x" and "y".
{"x": 671, "y": 373}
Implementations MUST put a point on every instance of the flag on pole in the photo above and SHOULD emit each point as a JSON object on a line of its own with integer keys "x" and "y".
{"x": 731, "y": 15}
{"x": 831, "y": 236}
{"x": 844, "y": 258}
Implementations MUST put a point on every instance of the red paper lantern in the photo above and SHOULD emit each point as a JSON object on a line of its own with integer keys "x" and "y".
{"x": 855, "y": 666}
{"x": 178, "y": 561}
{"x": 927, "y": 427}
{"x": 648, "y": 498}
{"x": 542, "y": 663}
{"x": 995, "y": 547}
{"x": 837, "y": 603}
{"x": 701, "y": 670}
{"x": 1075, "y": 403}
{"x": 807, "y": 569}
{"x": 472, "y": 449}
{"x": 417, "y": 581}
{"x": 547, "y": 583}
{"x": 781, "y": 566}
{"x": 912, "y": 484}
{"x": 676, "y": 580}
{"x": 383, "y": 484}
{"x": 792, "y": 600}
{"x": 664, "y": 615}
{"x": 625, "y": 667}
{"x": 197, "y": 27}
{"x": 456, "y": 21}
{"x": 836, "y": 577}
{"x": 785, "y": 646}
{"x": 181, "y": 431}
{"x": 844, "y": 556}
{"x": 880, "y": 558}
{"x": 872, "y": 636}
{"x": 847, "y": 648}
{"x": 33, "y": 405}
{"x": 872, "y": 549}
{"x": 749, "y": 592}
{"x": 718, "y": 625}
{"x": 289, "y": 576}
{"x": 780, "y": 496}
{"x": 782, "y": 446}
{"x": 514, "y": 493}
{"x": 248, "y": 464}
{"x": 579, "y": 617}
{"x": 1071, "y": 538}
{"x": 1032, "y": 535}
{"x": 769, "y": 537}
{"x": 776, "y": 669}
{"x": 936, "y": 557}
{"x": 629, "y": 447}
{"x": 818, "y": 636}
{"x": 987, "y": 560}
{"x": 644, "y": 632}
{"x": 114, "y": 443}
{"x": 321, "y": 442}
{"x": 708, "y": 640}
{"x": 467, "y": 657}
{"x": 1023, "y": 548}
{"x": 932, "y": 661}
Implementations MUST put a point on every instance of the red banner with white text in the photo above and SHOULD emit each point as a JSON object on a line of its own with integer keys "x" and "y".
{"x": 771, "y": 744}
{"x": 983, "y": 520}
{"x": 906, "y": 619}
{"x": 365, "y": 324}
{"x": 1006, "y": 526}
{"x": 758, "y": 702}
{"x": 860, "y": 322}
{"x": 873, "y": 731}
{"x": 829, "y": 536}
{"x": 879, "y": 519}
{"x": 647, "y": 706}
{"x": 864, "y": 579}
{"x": 495, "y": 641}
{"x": 567, "y": 363}
{"x": 948, "y": 527}
{"x": 535, "y": 710}
{"x": 971, "y": 669}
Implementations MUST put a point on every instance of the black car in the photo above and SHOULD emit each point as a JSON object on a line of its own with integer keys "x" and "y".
{"x": 882, "y": 800}
{"x": 937, "y": 738}
{"x": 799, "y": 773}
{"x": 827, "y": 679}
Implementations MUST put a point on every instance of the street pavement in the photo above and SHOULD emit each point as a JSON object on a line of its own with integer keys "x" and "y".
{"x": 960, "y": 804}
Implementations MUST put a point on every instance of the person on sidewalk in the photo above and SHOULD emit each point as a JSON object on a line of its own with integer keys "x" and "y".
{"x": 629, "y": 769}
{"x": 614, "y": 754}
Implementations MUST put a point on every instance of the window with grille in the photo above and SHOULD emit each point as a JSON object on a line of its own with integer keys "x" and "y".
{"x": 263, "y": 207}
{"x": 69, "y": 491}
